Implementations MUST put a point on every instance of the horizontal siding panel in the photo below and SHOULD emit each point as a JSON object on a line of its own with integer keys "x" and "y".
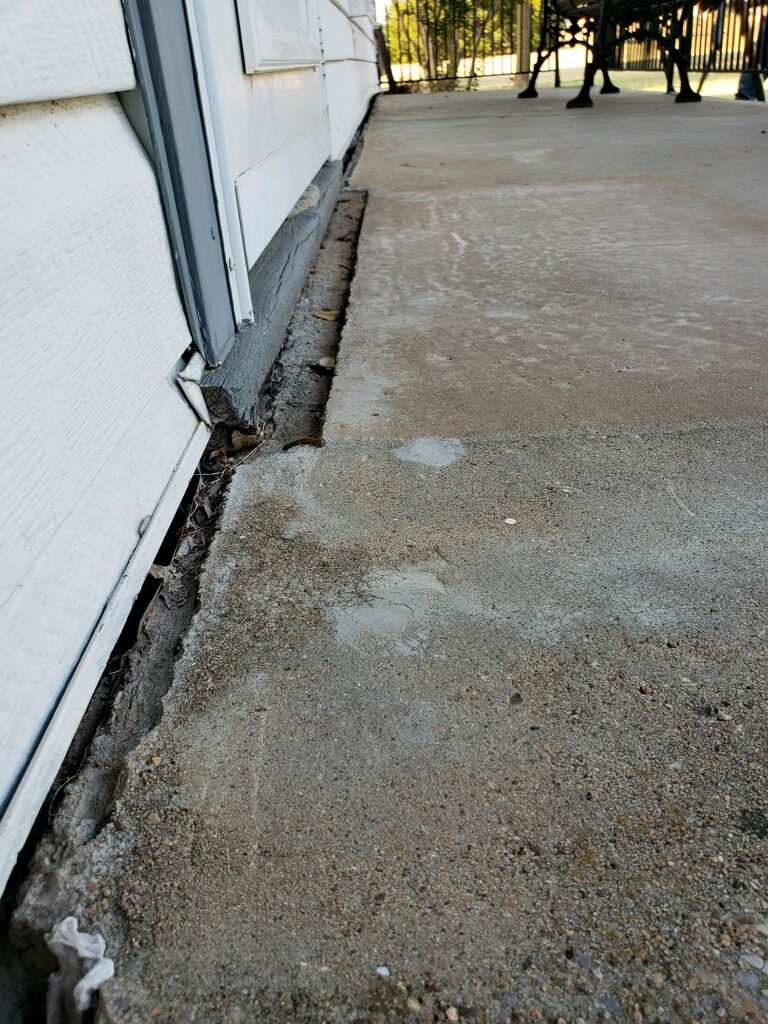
{"x": 91, "y": 333}
{"x": 350, "y": 84}
{"x": 267, "y": 193}
{"x": 256, "y": 115}
{"x": 365, "y": 24}
{"x": 90, "y": 319}
{"x": 338, "y": 31}
{"x": 48, "y": 621}
{"x": 343, "y": 39}
{"x": 52, "y": 49}
{"x": 356, "y": 8}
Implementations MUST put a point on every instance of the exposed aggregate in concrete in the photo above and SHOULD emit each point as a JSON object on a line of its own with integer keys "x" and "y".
{"x": 524, "y": 798}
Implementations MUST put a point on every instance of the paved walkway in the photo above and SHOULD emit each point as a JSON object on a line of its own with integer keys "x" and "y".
{"x": 471, "y": 724}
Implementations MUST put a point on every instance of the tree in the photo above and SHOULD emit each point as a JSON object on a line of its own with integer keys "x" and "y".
{"x": 447, "y": 38}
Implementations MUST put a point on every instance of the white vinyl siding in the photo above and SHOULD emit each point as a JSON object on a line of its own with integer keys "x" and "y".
{"x": 51, "y": 49}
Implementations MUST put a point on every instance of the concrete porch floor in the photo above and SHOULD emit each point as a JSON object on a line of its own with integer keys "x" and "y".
{"x": 471, "y": 723}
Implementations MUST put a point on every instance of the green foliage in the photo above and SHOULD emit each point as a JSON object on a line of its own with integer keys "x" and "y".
{"x": 438, "y": 35}
{"x": 536, "y": 6}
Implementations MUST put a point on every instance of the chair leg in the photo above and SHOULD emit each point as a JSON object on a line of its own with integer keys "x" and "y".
{"x": 583, "y": 98}
{"x": 608, "y": 88}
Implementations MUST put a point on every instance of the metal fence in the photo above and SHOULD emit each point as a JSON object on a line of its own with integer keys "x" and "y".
{"x": 447, "y": 40}
{"x": 732, "y": 37}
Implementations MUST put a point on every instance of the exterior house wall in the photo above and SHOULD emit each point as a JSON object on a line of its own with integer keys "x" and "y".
{"x": 52, "y": 49}
{"x": 350, "y": 70}
{"x": 100, "y": 441}
{"x": 92, "y": 332}
{"x": 274, "y": 128}
{"x": 266, "y": 131}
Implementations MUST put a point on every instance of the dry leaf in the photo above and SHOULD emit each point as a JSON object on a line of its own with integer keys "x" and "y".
{"x": 242, "y": 441}
{"x": 327, "y": 314}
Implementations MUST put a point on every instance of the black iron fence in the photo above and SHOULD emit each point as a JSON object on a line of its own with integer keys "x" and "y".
{"x": 732, "y": 37}
{"x": 451, "y": 40}
{"x": 448, "y": 40}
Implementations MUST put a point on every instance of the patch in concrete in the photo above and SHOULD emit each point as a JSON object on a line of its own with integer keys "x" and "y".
{"x": 431, "y": 451}
{"x": 395, "y": 603}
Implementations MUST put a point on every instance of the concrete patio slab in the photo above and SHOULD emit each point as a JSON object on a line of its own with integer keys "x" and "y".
{"x": 471, "y": 722}
{"x": 461, "y": 139}
{"x": 541, "y": 306}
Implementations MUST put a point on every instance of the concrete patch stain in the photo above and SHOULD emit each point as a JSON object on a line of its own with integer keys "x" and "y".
{"x": 431, "y": 451}
{"x": 396, "y": 602}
